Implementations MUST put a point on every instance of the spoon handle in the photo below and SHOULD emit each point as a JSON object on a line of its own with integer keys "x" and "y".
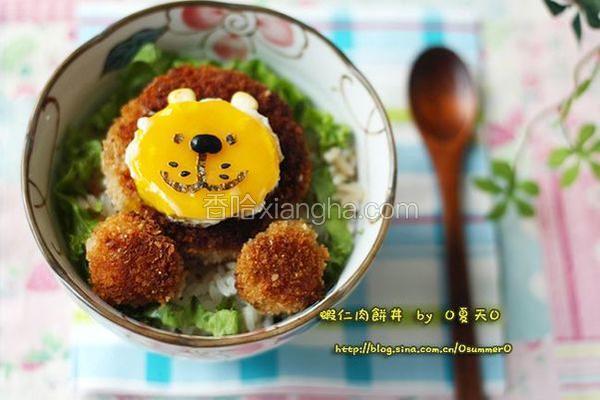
{"x": 467, "y": 379}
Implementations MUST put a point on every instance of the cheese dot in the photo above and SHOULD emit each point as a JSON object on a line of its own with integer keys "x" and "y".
{"x": 244, "y": 101}
{"x": 143, "y": 123}
{"x": 181, "y": 96}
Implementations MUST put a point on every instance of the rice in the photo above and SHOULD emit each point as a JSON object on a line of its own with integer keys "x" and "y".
{"x": 342, "y": 166}
{"x": 217, "y": 284}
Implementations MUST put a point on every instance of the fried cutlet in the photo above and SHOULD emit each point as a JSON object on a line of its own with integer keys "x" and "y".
{"x": 280, "y": 271}
{"x": 132, "y": 263}
{"x": 223, "y": 241}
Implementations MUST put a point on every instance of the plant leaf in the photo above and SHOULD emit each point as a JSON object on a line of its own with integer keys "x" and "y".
{"x": 582, "y": 87}
{"x": 530, "y": 187}
{"x": 595, "y": 168}
{"x": 576, "y": 24}
{"x": 502, "y": 169}
{"x": 524, "y": 208}
{"x": 585, "y": 133}
{"x": 487, "y": 185}
{"x": 570, "y": 175}
{"x": 591, "y": 9}
{"x": 497, "y": 211}
{"x": 579, "y": 90}
{"x": 555, "y": 8}
{"x": 558, "y": 156}
{"x": 595, "y": 147}
{"x": 565, "y": 108}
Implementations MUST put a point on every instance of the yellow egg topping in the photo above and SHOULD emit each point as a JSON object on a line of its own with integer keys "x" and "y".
{"x": 204, "y": 161}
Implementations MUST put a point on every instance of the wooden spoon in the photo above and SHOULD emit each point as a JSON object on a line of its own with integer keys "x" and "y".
{"x": 443, "y": 100}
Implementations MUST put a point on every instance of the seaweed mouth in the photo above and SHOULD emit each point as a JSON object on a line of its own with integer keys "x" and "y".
{"x": 201, "y": 182}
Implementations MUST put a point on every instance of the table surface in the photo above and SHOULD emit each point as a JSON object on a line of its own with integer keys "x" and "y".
{"x": 529, "y": 63}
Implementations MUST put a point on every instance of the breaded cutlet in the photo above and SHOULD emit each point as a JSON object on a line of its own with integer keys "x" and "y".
{"x": 280, "y": 271}
{"x": 223, "y": 241}
{"x": 131, "y": 262}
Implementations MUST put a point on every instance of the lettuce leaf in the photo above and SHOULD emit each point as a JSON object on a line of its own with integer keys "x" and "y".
{"x": 339, "y": 241}
{"x": 319, "y": 126}
{"x": 179, "y": 317}
{"x": 78, "y": 213}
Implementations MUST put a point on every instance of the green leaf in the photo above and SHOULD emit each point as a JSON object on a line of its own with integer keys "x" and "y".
{"x": 555, "y": 8}
{"x": 502, "y": 169}
{"x": 566, "y": 108}
{"x": 77, "y": 168}
{"x": 321, "y": 129}
{"x": 337, "y": 237}
{"x": 570, "y": 175}
{"x": 591, "y": 8}
{"x": 576, "y": 24}
{"x": 497, "y": 211}
{"x": 172, "y": 316}
{"x": 582, "y": 88}
{"x": 524, "y": 208}
{"x": 322, "y": 184}
{"x": 487, "y": 185}
{"x": 579, "y": 91}
{"x": 595, "y": 147}
{"x": 185, "y": 316}
{"x": 585, "y": 133}
{"x": 558, "y": 156}
{"x": 530, "y": 187}
{"x": 595, "y": 168}
{"x": 219, "y": 323}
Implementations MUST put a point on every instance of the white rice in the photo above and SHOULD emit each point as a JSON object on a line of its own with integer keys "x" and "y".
{"x": 218, "y": 284}
{"x": 342, "y": 166}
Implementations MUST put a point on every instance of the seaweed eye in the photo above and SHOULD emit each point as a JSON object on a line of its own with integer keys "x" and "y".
{"x": 178, "y": 138}
{"x": 230, "y": 139}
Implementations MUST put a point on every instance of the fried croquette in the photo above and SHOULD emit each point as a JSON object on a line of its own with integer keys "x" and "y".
{"x": 280, "y": 271}
{"x": 223, "y": 241}
{"x": 132, "y": 263}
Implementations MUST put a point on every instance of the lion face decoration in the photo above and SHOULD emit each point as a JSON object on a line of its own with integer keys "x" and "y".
{"x": 204, "y": 161}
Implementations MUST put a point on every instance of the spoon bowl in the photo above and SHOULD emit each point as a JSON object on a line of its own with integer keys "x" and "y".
{"x": 442, "y": 95}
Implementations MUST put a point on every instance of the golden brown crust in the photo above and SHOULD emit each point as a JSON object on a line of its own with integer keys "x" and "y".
{"x": 223, "y": 241}
{"x": 119, "y": 185}
{"x": 280, "y": 271}
{"x": 132, "y": 263}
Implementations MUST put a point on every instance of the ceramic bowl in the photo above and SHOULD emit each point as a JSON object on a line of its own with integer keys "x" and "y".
{"x": 216, "y": 31}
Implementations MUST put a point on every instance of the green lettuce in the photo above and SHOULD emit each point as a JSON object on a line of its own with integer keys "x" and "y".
{"x": 319, "y": 126}
{"x": 222, "y": 322}
{"x": 78, "y": 167}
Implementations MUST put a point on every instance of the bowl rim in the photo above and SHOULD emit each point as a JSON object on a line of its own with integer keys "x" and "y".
{"x": 84, "y": 292}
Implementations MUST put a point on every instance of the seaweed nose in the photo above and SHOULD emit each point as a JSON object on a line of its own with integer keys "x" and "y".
{"x": 203, "y": 144}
